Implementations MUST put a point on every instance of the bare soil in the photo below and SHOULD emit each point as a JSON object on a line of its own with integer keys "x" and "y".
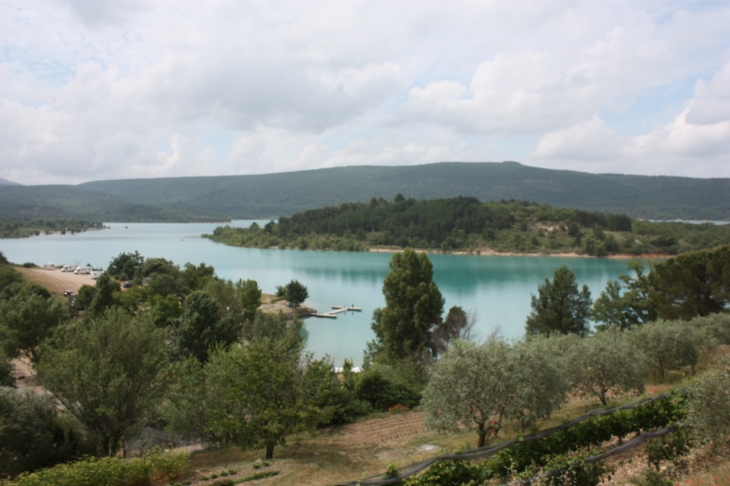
{"x": 56, "y": 281}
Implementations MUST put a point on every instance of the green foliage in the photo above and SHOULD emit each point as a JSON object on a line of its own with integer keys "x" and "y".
{"x": 126, "y": 266}
{"x": 273, "y": 327}
{"x": 24, "y": 228}
{"x": 110, "y": 471}
{"x": 413, "y": 307}
{"x": 669, "y": 346}
{"x": 668, "y": 447}
{"x": 7, "y": 378}
{"x": 560, "y": 307}
{"x": 383, "y": 393}
{"x": 103, "y": 295}
{"x": 110, "y": 372}
{"x": 8, "y": 276}
{"x": 296, "y": 293}
{"x": 625, "y": 306}
{"x": 695, "y": 284}
{"x": 449, "y": 473}
{"x": 34, "y": 434}
{"x": 710, "y": 406}
{"x": 200, "y": 328}
{"x": 250, "y": 298}
{"x": 263, "y": 398}
{"x": 255, "y": 476}
{"x": 589, "y": 433}
{"x": 479, "y": 387}
{"x": 650, "y": 477}
{"x": 84, "y": 297}
{"x": 29, "y": 317}
{"x": 605, "y": 364}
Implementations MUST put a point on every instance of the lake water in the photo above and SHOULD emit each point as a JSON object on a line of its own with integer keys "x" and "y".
{"x": 497, "y": 287}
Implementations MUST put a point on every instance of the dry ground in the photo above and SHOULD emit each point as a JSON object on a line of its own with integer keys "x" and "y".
{"x": 56, "y": 281}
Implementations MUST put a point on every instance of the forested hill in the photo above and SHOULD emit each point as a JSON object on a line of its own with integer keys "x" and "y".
{"x": 464, "y": 223}
{"x": 284, "y": 194}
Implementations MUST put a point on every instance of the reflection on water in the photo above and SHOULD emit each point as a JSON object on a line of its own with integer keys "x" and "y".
{"x": 497, "y": 288}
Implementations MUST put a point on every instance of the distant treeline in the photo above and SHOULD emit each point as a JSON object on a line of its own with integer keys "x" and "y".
{"x": 466, "y": 224}
{"x": 23, "y": 228}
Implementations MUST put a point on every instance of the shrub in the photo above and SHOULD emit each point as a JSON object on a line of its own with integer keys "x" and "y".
{"x": 709, "y": 409}
{"x": 110, "y": 471}
{"x": 669, "y": 346}
{"x": 668, "y": 447}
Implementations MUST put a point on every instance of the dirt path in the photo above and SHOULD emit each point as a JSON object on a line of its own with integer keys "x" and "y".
{"x": 55, "y": 280}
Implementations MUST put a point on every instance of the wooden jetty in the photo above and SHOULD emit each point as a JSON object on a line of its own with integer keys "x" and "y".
{"x": 337, "y": 309}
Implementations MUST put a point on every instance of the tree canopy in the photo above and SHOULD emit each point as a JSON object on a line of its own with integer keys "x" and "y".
{"x": 559, "y": 306}
{"x": 110, "y": 372}
{"x": 413, "y": 306}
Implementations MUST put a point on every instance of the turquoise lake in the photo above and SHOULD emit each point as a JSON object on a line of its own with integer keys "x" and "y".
{"x": 498, "y": 288}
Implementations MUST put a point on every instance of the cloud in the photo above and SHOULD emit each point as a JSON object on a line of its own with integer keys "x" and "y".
{"x": 139, "y": 88}
{"x": 696, "y": 141}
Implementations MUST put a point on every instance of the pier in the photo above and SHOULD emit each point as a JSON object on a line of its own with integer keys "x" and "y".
{"x": 337, "y": 309}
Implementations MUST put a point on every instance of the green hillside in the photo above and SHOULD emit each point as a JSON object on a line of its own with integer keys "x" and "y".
{"x": 74, "y": 202}
{"x": 284, "y": 194}
{"x": 291, "y": 192}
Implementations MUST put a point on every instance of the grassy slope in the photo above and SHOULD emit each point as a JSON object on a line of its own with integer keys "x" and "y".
{"x": 272, "y": 195}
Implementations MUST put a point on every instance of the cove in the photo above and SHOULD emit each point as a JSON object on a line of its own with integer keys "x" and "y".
{"x": 498, "y": 288}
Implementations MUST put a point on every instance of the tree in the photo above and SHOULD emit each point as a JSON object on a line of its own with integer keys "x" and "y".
{"x": 559, "y": 306}
{"x": 110, "y": 372}
{"x": 709, "y": 409}
{"x": 479, "y": 386}
{"x": 250, "y": 298}
{"x": 625, "y": 306}
{"x": 413, "y": 306}
{"x": 605, "y": 364}
{"x": 35, "y": 434}
{"x": 262, "y": 395}
{"x": 126, "y": 266}
{"x": 200, "y": 327}
{"x": 458, "y": 325}
{"x": 670, "y": 345}
{"x": 296, "y": 293}
{"x": 273, "y": 327}
{"x": 28, "y": 318}
{"x": 7, "y": 378}
{"x": 84, "y": 297}
{"x": 103, "y": 295}
{"x": 690, "y": 285}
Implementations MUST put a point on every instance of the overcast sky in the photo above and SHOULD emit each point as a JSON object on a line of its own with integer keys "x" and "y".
{"x": 98, "y": 89}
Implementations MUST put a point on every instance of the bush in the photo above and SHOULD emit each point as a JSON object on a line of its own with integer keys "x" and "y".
{"x": 34, "y": 434}
{"x": 110, "y": 471}
{"x": 669, "y": 346}
{"x": 383, "y": 393}
{"x": 651, "y": 478}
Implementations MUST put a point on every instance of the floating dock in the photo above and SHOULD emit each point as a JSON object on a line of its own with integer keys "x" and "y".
{"x": 337, "y": 309}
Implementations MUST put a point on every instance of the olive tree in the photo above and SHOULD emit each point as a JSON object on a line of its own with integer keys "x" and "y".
{"x": 709, "y": 408}
{"x": 480, "y": 386}
{"x": 669, "y": 346}
{"x": 110, "y": 372}
{"x": 604, "y": 364}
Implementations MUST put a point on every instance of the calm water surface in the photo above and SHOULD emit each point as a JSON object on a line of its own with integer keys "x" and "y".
{"x": 497, "y": 287}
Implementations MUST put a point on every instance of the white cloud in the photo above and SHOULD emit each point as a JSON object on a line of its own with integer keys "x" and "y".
{"x": 696, "y": 142}
{"x": 90, "y": 91}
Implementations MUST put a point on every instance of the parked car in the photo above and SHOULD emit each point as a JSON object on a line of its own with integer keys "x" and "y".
{"x": 126, "y": 284}
{"x": 69, "y": 293}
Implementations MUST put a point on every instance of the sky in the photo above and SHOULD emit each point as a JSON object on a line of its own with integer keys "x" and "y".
{"x": 121, "y": 89}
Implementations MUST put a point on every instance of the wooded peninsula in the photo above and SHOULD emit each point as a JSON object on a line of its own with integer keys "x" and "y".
{"x": 464, "y": 224}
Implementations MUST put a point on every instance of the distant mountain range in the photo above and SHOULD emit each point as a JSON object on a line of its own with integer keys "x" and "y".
{"x": 283, "y": 194}
{"x": 5, "y": 182}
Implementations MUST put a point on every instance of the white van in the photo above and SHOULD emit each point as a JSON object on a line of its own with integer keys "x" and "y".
{"x": 96, "y": 274}
{"x": 49, "y": 266}
{"x": 82, "y": 271}
{"x": 68, "y": 268}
